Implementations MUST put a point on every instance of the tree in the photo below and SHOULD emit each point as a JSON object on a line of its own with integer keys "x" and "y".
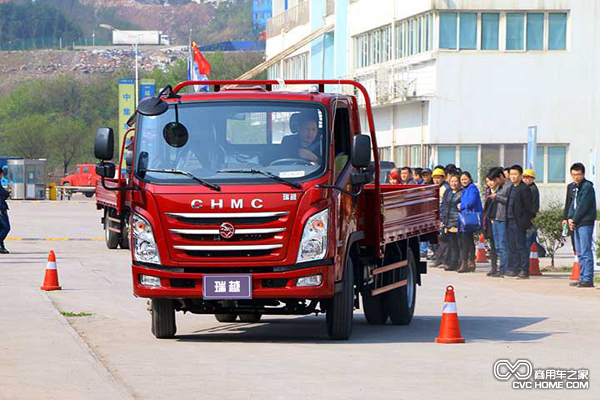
{"x": 68, "y": 138}
{"x": 549, "y": 224}
{"x": 26, "y": 136}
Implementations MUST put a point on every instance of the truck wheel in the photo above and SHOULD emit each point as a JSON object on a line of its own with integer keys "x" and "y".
{"x": 400, "y": 302}
{"x": 112, "y": 238}
{"x": 89, "y": 194}
{"x": 124, "y": 238}
{"x": 374, "y": 308}
{"x": 341, "y": 308}
{"x": 226, "y": 317}
{"x": 163, "y": 318}
{"x": 251, "y": 318}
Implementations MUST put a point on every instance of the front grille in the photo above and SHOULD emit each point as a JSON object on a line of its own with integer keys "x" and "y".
{"x": 219, "y": 221}
{"x": 236, "y": 238}
{"x": 274, "y": 283}
{"x": 183, "y": 283}
{"x": 228, "y": 253}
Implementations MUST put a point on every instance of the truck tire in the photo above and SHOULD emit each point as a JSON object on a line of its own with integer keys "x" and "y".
{"x": 400, "y": 302}
{"x": 374, "y": 308}
{"x": 124, "y": 239}
{"x": 341, "y": 307}
{"x": 163, "y": 318}
{"x": 226, "y": 317}
{"x": 89, "y": 194}
{"x": 112, "y": 238}
{"x": 251, "y": 318}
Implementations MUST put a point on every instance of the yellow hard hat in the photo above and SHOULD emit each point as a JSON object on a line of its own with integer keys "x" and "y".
{"x": 529, "y": 172}
{"x": 438, "y": 172}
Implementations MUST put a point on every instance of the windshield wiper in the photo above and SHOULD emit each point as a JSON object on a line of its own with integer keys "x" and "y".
{"x": 188, "y": 174}
{"x": 265, "y": 173}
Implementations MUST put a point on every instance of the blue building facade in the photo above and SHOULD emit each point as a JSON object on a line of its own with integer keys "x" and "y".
{"x": 262, "y": 10}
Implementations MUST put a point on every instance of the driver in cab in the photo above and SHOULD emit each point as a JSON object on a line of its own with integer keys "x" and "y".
{"x": 305, "y": 144}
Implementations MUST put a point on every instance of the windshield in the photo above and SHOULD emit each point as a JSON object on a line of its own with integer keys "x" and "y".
{"x": 222, "y": 141}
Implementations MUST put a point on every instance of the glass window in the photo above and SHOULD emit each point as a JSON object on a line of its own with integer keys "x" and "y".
{"x": 448, "y": 28}
{"x": 415, "y": 158}
{"x": 557, "y": 159}
{"x": 539, "y": 164}
{"x": 490, "y": 26}
{"x": 469, "y": 161}
{"x": 419, "y": 35}
{"x": 490, "y": 155}
{"x": 428, "y": 32}
{"x": 513, "y": 154}
{"x": 446, "y": 155}
{"x": 468, "y": 31}
{"x": 557, "y": 31}
{"x": 515, "y": 34}
{"x": 86, "y": 170}
{"x": 385, "y": 154}
{"x": 400, "y": 155}
{"x": 535, "y": 31}
{"x": 411, "y": 40}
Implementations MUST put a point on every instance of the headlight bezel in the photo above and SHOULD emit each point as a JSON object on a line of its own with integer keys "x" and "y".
{"x": 315, "y": 235}
{"x": 144, "y": 243}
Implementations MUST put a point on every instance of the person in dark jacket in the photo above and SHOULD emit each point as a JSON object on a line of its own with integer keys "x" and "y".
{"x": 570, "y": 194}
{"x": 449, "y": 224}
{"x": 4, "y": 221}
{"x": 581, "y": 220}
{"x": 406, "y": 176}
{"x": 499, "y": 220}
{"x": 489, "y": 214}
{"x": 470, "y": 202}
{"x": 519, "y": 214}
{"x": 529, "y": 179}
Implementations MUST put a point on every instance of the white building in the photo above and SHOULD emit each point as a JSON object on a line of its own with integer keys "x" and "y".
{"x": 460, "y": 81}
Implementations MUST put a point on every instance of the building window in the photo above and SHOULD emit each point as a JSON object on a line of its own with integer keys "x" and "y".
{"x": 513, "y": 154}
{"x": 490, "y": 155}
{"x": 490, "y": 28}
{"x": 413, "y": 35}
{"x": 415, "y": 156}
{"x": 515, "y": 32}
{"x": 468, "y": 31}
{"x": 274, "y": 71}
{"x": 557, "y": 159}
{"x": 469, "y": 160}
{"x": 539, "y": 164}
{"x": 535, "y": 31}
{"x": 448, "y": 30}
{"x": 446, "y": 155}
{"x": 373, "y": 47}
{"x": 385, "y": 154}
{"x": 400, "y": 155}
{"x": 557, "y": 31}
{"x": 296, "y": 67}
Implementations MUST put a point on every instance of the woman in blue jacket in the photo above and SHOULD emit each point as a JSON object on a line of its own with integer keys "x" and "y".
{"x": 470, "y": 202}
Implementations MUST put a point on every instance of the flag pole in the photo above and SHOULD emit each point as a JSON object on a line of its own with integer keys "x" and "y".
{"x": 190, "y": 56}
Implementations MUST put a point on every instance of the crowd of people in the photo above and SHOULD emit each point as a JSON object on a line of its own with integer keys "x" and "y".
{"x": 505, "y": 215}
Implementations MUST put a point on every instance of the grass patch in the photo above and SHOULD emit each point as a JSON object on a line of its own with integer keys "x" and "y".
{"x": 557, "y": 269}
{"x": 72, "y": 314}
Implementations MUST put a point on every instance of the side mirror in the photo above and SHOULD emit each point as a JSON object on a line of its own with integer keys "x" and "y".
{"x": 361, "y": 151}
{"x": 104, "y": 144}
{"x": 105, "y": 170}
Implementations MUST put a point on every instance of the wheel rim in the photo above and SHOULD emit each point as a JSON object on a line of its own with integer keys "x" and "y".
{"x": 410, "y": 289}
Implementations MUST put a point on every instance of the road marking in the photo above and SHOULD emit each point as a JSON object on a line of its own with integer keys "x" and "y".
{"x": 55, "y": 239}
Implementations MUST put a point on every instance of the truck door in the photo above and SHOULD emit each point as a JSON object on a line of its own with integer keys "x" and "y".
{"x": 345, "y": 213}
{"x": 77, "y": 177}
{"x": 86, "y": 177}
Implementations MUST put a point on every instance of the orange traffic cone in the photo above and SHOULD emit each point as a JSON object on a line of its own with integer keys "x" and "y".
{"x": 534, "y": 262}
{"x": 481, "y": 255}
{"x": 449, "y": 329}
{"x": 51, "y": 277}
{"x": 575, "y": 271}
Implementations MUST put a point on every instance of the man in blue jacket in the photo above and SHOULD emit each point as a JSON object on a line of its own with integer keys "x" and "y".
{"x": 4, "y": 222}
{"x": 581, "y": 220}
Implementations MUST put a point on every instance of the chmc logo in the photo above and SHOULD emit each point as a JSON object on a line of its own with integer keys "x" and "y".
{"x": 520, "y": 369}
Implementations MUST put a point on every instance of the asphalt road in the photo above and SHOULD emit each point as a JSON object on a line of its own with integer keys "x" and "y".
{"x": 112, "y": 354}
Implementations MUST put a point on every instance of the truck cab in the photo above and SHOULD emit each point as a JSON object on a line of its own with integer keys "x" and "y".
{"x": 84, "y": 175}
{"x": 244, "y": 202}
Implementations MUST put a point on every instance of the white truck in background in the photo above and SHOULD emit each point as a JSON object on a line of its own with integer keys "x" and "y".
{"x": 140, "y": 37}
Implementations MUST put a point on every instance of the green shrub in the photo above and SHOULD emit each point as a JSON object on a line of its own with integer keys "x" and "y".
{"x": 549, "y": 224}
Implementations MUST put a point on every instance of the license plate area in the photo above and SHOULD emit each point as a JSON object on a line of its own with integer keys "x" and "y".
{"x": 227, "y": 287}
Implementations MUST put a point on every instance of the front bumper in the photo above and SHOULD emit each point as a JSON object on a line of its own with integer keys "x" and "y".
{"x": 188, "y": 285}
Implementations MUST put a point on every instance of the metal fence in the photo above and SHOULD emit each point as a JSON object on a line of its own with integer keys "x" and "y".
{"x": 51, "y": 43}
{"x": 289, "y": 19}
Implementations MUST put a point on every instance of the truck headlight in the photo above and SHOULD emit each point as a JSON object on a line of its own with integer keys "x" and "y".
{"x": 144, "y": 245}
{"x": 313, "y": 245}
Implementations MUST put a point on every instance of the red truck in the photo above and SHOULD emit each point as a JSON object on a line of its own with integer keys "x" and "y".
{"x": 244, "y": 202}
{"x": 83, "y": 179}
